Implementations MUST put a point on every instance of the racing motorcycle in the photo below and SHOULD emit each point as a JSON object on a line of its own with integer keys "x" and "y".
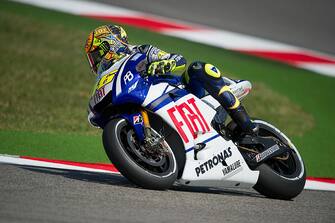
{"x": 158, "y": 134}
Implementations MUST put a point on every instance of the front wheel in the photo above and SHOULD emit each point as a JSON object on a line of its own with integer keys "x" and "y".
{"x": 145, "y": 169}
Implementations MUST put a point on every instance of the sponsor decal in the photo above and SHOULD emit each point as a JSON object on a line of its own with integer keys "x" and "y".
{"x": 241, "y": 91}
{"x": 213, "y": 162}
{"x": 132, "y": 87}
{"x": 102, "y": 30}
{"x": 99, "y": 94}
{"x": 128, "y": 77}
{"x": 238, "y": 91}
{"x": 137, "y": 119}
{"x": 192, "y": 119}
{"x": 232, "y": 167}
{"x": 106, "y": 79}
{"x": 261, "y": 156}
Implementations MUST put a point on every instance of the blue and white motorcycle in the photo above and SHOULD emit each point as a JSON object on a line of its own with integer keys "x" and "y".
{"x": 157, "y": 133}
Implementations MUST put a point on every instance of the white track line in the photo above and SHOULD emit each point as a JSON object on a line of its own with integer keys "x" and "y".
{"x": 316, "y": 185}
{"x": 80, "y": 7}
{"x": 16, "y": 160}
{"x": 231, "y": 40}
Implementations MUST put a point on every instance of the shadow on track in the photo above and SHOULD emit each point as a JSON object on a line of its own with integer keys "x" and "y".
{"x": 222, "y": 191}
{"x": 119, "y": 180}
{"x": 101, "y": 178}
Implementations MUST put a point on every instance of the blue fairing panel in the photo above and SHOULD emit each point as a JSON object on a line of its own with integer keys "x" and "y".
{"x": 129, "y": 86}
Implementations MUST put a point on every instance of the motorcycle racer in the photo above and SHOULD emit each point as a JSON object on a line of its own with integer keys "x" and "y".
{"x": 109, "y": 43}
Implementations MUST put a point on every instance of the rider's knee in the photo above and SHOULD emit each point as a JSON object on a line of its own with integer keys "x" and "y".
{"x": 193, "y": 72}
{"x": 196, "y": 66}
{"x": 203, "y": 71}
{"x": 203, "y": 75}
{"x": 196, "y": 69}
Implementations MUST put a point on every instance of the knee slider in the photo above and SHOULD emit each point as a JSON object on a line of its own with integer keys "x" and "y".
{"x": 194, "y": 71}
{"x": 195, "y": 67}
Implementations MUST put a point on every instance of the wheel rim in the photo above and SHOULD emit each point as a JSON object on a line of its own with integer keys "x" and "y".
{"x": 163, "y": 165}
{"x": 286, "y": 167}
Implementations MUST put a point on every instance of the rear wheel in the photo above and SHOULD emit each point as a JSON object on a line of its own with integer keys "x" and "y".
{"x": 281, "y": 177}
{"x": 147, "y": 169}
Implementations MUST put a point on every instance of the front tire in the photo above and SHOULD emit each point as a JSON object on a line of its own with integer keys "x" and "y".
{"x": 157, "y": 173}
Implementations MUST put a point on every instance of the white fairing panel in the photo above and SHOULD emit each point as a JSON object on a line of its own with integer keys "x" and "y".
{"x": 219, "y": 160}
{"x": 155, "y": 91}
{"x": 211, "y": 101}
{"x": 185, "y": 117}
{"x": 220, "y": 163}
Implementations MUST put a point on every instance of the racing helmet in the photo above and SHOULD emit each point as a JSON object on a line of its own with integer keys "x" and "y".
{"x": 108, "y": 41}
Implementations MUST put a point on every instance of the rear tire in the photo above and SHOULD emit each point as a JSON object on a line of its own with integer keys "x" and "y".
{"x": 116, "y": 143}
{"x": 277, "y": 179}
{"x": 283, "y": 180}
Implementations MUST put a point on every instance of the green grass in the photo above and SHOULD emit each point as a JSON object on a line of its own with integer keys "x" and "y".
{"x": 72, "y": 147}
{"x": 45, "y": 86}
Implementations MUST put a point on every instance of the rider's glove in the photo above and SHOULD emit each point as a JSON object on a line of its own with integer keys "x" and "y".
{"x": 161, "y": 67}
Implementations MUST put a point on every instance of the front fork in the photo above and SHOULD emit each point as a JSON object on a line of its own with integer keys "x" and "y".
{"x": 146, "y": 123}
{"x": 153, "y": 143}
{"x": 141, "y": 124}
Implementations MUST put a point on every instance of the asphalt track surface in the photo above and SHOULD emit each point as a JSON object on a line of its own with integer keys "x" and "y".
{"x": 304, "y": 23}
{"x": 30, "y": 194}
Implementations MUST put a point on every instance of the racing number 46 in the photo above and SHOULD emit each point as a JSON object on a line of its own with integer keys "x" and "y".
{"x": 191, "y": 118}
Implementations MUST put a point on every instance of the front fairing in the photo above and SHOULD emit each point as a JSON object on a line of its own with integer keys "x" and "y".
{"x": 171, "y": 79}
{"x": 129, "y": 86}
{"x": 132, "y": 84}
{"x": 124, "y": 85}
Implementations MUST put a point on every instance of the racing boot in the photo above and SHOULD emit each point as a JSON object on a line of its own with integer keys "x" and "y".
{"x": 242, "y": 119}
{"x": 236, "y": 111}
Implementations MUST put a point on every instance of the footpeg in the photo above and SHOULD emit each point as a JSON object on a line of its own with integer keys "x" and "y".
{"x": 197, "y": 148}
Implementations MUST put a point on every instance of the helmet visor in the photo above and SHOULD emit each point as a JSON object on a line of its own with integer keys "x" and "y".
{"x": 94, "y": 59}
